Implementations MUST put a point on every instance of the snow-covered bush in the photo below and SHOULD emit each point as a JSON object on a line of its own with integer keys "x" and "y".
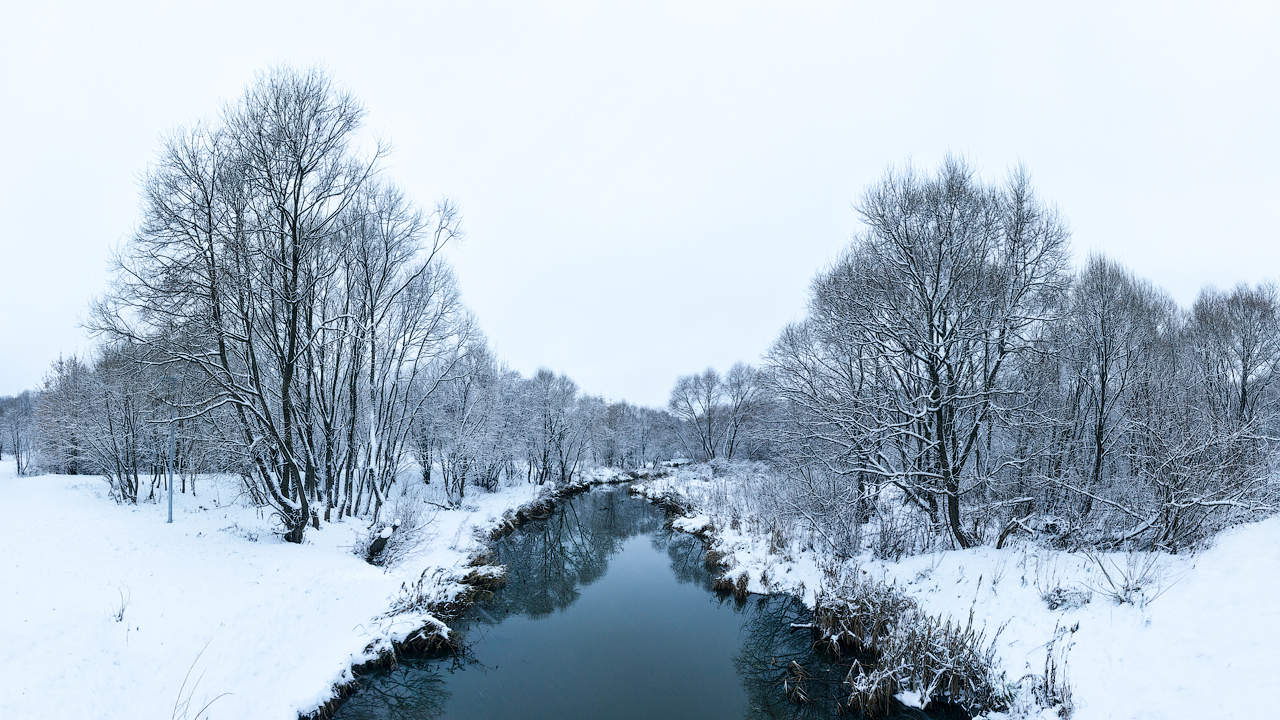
{"x": 1061, "y": 598}
{"x": 408, "y": 517}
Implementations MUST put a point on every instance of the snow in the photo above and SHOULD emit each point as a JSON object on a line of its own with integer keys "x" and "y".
{"x": 262, "y": 628}
{"x": 695, "y": 524}
{"x": 1197, "y": 641}
{"x": 910, "y": 699}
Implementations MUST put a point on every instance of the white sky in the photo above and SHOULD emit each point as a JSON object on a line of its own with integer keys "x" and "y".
{"x": 648, "y": 189}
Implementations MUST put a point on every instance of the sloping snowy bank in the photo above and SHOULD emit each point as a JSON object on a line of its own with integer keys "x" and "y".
{"x": 106, "y": 611}
{"x": 1197, "y": 639}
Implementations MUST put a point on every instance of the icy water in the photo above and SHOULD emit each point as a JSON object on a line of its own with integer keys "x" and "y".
{"x": 606, "y": 614}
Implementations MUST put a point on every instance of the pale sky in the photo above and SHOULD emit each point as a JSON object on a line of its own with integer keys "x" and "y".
{"x": 647, "y": 189}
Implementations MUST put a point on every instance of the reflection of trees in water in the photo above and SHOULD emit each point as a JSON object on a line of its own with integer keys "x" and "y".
{"x": 769, "y": 643}
{"x": 688, "y": 556}
{"x": 549, "y": 560}
{"x": 415, "y": 689}
{"x": 769, "y": 647}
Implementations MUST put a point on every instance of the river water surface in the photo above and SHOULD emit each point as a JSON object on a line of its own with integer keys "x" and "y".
{"x": 607, "y": 614}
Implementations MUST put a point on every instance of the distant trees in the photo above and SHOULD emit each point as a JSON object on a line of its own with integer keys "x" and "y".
{"x": 714, "y": 414}
{"x": 467, "y": 427}
{"x": 626, "y": 435}
{"x": 62, "y": 415}
{"x": 695, "y": 402}
{"x": 487, "y": 426}
{"x": 558, "y": 434}
{"x": 17, "y": 418}
{"x": 111, "y": 417}
{"x": 480, "y": 426}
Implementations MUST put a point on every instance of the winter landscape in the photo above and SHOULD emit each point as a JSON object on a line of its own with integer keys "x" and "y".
{"x": 723, "y": 386}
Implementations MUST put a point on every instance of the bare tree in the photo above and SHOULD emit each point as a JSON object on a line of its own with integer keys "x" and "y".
{"x": 696, "y": 405}
{"x": 1237, "y": 335}
{"x": 237, "y": 248}
{"x": 1112, "y": 321}
{"x": 742, "y": 405}
{"x": 17, "y": 423}
{"x": 950, "y": 280}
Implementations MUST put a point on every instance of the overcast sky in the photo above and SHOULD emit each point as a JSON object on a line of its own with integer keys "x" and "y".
{"x": 648, "y": 189}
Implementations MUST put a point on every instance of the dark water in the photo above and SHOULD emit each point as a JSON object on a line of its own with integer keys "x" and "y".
{"x": 608, "y": 615}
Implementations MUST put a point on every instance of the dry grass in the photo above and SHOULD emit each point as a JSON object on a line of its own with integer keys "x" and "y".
{"x": 1133, "y": 581}
{"x": 715, "y": 561}
{"x": 723, "y": 585}
{"x": 899, "y": 647}
{"x": 795, "y": 683}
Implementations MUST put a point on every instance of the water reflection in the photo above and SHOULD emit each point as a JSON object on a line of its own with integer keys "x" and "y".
{"x": 550, "y": 561}
{"x": 608, "y": 614}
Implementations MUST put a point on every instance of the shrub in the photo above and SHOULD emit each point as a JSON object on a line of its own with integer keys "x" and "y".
{"x": 1066, "y": 598}
{"x": 386, "y": 543}
{"x": 1133, "y": 581}
{"x": 899, "y": 647}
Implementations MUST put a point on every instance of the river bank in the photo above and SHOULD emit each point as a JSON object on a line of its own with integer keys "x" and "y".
{"x": 127, "y": 616}
{"x": 1194, "y": 638}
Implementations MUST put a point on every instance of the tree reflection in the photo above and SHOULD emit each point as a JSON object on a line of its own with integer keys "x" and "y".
{"x": 770, "y": 646}
{"x": 687, "y": 554}
{"x": 549, "y": 561}
{"x": 416, "y": 689}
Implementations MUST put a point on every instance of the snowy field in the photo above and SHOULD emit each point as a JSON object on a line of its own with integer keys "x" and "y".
{"x": 106, "y": 611}
{"x": 1197, "y": 641}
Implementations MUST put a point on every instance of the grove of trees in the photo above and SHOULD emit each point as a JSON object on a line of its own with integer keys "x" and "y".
{"x": 951, "y": 361}
{"x": 289, "y": 314}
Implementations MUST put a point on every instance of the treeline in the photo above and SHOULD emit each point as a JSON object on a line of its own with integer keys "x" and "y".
{"x": 287, "y": 313}
{"x": 284, "y": 312}
{"x": 482, "y": 427}
{"x": 954, "y": 378}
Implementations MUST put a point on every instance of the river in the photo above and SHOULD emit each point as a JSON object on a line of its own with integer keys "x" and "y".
{"x": 608, "y": 614}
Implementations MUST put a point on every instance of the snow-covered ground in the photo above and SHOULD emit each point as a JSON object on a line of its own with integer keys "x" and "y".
{"x": 216, "y": 608}
{"x": 106, "y": 611}
{"x": 1198, "y": 641}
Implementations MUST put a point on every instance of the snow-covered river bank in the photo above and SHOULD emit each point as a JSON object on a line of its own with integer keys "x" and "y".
{"x": 1196, "y": 641}
{"x": 124, "y": 616}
